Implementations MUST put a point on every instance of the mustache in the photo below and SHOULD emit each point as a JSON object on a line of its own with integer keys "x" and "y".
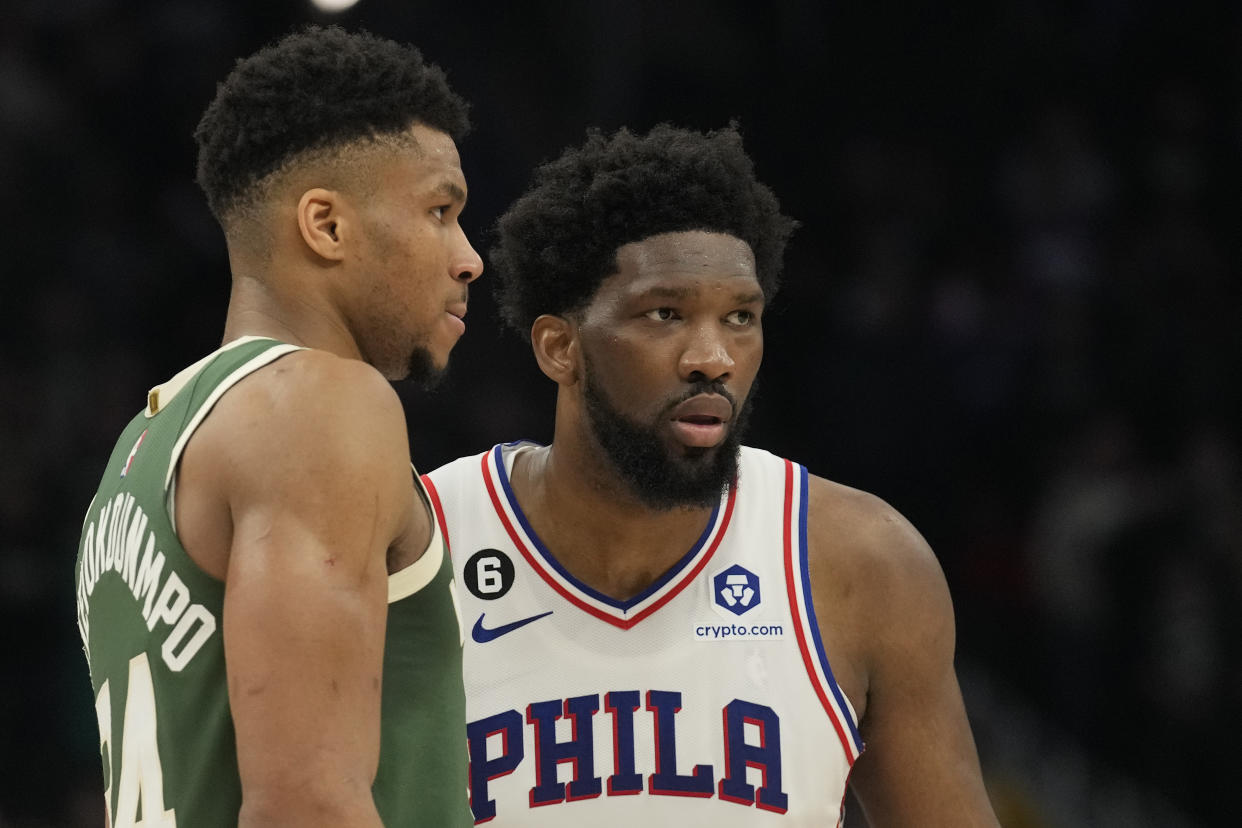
{"x": 704, "y": 387}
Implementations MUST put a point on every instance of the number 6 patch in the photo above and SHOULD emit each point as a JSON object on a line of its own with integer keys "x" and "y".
{"x": 488, "y": 574}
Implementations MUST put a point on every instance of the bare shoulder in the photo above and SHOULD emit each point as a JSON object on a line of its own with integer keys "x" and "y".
{"x": 880, "y": 594}
{"x": 314, "y": 471}
{"x": 314, "y": 423}
{"x": 311, "y": 434}
{"x": 318, "y": 388}
{"x": 312, "y": 400}
{"x": 886, "y": 618}
{"x": 856, "y": 533}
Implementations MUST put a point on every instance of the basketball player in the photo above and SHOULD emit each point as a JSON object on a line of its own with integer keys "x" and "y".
{"x": 263, "y": 594}
{"x": 668, "y": 628}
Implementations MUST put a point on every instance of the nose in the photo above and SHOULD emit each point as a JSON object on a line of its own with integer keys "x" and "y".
{"x": 466, "y": 265}
{"x": 706, "y": 356}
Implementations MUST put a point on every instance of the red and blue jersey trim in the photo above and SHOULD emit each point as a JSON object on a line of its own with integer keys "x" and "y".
{"x": 802, "y": 608}
{"x": 623, "y": 614}
{"x": 438, "y": 508}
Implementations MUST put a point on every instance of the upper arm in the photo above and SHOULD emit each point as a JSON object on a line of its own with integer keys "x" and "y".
{"x": 920, "y": 766}
{"x": 314, "y": 466}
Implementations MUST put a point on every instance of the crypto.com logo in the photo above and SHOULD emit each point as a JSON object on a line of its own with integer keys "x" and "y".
{"x": 736, "y": 589}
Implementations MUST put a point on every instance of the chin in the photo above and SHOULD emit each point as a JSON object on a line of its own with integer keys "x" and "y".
{"x": 425, "y": 368}
{"x": 692, "y": 456}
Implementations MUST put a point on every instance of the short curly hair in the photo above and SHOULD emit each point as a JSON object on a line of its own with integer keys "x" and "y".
{"x": 559, "y": 241}
{"x": 317, "y": 89}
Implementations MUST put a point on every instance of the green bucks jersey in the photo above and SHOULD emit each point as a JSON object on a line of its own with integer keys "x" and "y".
{"x": 151, "y": 625}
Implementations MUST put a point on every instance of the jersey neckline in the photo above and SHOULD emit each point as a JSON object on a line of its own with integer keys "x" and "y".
{"x": 620, "y": 613}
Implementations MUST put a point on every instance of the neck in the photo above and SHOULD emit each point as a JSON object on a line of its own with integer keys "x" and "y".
{"x": 594, "y": 526}
{"x": 282, "y": 308}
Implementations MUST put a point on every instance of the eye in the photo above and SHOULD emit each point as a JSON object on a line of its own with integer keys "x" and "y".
{"x": 742, "y": 317}
{"x": 661, "y": 314}
{"x": 438, "y": 212}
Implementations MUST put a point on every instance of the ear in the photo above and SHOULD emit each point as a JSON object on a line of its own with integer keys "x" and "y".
{"x": 555, "y": 341}
{"x": 320, "y": 223}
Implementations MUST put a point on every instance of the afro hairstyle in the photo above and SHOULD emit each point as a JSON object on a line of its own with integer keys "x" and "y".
{"x": 559, "y": 240}
{"x": 317, "y": 88}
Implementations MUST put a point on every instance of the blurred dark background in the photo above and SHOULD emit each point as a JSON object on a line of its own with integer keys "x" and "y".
{"x": 1012, "y": 311}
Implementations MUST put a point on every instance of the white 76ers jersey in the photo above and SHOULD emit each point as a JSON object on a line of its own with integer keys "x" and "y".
{"x": 705, "y": 701}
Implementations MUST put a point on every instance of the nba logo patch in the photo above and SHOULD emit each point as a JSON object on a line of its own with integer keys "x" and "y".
{"x": 129, "y": 461}
{"x": 736, "y": 589}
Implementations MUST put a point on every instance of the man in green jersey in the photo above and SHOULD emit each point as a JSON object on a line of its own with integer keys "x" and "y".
{"x": 263, "y": 594}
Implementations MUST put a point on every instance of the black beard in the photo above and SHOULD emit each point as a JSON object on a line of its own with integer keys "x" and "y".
{"x": 659, "y": 477}
{"x": 423, "y": 370}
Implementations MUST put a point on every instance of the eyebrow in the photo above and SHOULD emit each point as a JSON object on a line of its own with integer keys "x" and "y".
{"x": 451, "y": 190}
{"x": 666, "y": 292}
{"x": 749, "y": 298}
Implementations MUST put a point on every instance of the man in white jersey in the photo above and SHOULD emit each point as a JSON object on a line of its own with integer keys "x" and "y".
{"x": 668, "y": 628}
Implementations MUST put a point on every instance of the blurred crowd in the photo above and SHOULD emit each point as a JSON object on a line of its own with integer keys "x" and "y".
{"x": 1012, "y": 310}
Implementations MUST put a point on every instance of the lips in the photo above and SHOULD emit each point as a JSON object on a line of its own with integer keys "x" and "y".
{"x": 704, "y": 409}
{"x": 455, "y": 313}
{"x": 701, "y": 421}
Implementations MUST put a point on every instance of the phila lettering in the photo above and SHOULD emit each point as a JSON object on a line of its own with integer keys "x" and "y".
{"x": 501, "y": 743}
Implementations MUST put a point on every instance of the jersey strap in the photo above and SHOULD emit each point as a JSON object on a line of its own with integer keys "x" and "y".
{"x": 433, "y": 495}
{"x": 417, "y": 575}
{"x": 271, "y": 354}
{"x": 802, "y": 608}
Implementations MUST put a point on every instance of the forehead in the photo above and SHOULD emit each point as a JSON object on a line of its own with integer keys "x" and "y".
{"x": 427, "y": 162}
{"x": 684, "y": 261}
{"x": 435, "y": 147}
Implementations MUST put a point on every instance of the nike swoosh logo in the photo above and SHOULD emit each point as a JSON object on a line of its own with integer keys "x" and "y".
{"x": 482, "y": 634}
